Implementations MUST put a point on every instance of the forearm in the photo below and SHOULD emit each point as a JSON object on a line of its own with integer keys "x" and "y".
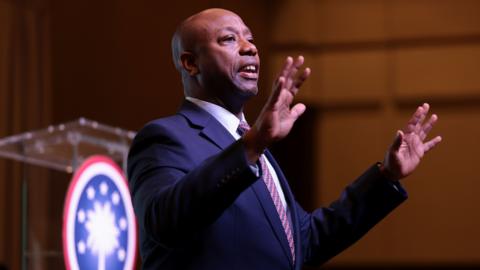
{"x": 328, "y": 231}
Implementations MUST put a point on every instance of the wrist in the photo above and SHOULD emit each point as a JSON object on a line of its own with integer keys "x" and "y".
{"x": 254, "y": 147}
{"x": 386, "y": 172}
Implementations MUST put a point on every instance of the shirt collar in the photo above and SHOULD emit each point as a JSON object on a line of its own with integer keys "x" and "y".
{"x": 222, "y": 115}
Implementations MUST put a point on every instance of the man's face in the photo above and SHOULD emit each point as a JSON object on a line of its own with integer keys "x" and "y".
{"x": 228, "y": 60}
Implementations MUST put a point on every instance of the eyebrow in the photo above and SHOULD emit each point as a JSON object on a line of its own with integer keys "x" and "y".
{"x": 246, "y": 30}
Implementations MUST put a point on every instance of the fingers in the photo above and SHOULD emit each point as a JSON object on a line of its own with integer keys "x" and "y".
{"x": 414, "y": 123}
{"x": 397, "y": 141}
{"x": 297, "y": 110}
{"x": 277, "y": 89}
{"x": 417, "y": 126}
{"x": 289, "y": 72}
{"x": 300, "y": 80}
{"x": 280, "y": 82}
{"x": 431, "y": 144}
{"x": 428, "y": 126}
{"x": 293, "y": 71}
{"x": 286, "y": 67}
{"x": 287, "y": 80}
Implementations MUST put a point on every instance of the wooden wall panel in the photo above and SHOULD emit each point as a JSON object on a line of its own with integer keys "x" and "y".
{"x": 340, "y": 77}
{"x": 350, "y": 21}
{"x": 350, "y": 76}
{"x": 4, "y": 47}
{"x": 25, "y": 105}
{"x": 449, "y": 71}
{"x": 327, "y": 21}
{"x": 330, "y": 21}
{"x": 349, "y": 143}
{"x": 433, "y": 18}
{"x": 295, "y": 21}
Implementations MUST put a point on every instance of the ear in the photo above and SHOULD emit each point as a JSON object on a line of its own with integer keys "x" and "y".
{"x": 188, "y": 61}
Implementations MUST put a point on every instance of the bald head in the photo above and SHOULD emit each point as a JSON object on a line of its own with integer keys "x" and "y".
{"x": 192, "y": 30}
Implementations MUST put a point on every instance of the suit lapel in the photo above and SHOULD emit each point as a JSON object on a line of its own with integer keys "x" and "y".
{"x": 209, "y": 127}
{"x": 217, "y": 134}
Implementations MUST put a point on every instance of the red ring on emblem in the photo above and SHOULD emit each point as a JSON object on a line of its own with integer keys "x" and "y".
{"x": 74, "y": 192}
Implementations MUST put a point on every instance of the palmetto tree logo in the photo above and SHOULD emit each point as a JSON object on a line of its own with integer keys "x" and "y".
{"x": 99, "y": 227}
{"x": 103, "y": 233}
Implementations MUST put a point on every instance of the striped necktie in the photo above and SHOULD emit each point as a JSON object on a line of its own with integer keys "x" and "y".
{"x": 270, "y": 183}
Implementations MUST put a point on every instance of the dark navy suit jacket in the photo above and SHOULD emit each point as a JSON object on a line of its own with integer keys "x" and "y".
{"x": 200, "y": 206}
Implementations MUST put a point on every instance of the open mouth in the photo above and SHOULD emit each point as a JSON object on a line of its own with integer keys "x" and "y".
{"x": 249, "y": 72}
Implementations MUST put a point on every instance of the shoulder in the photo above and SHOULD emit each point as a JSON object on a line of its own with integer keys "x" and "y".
{"x": 162, "y": 130}
{"x": 159, "y": 139}
{"x": 162, "y": 125}
{"x": 189, "y": 118}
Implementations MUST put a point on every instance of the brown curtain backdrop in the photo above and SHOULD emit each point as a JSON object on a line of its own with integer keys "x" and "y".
{"x": 24, "y": 105}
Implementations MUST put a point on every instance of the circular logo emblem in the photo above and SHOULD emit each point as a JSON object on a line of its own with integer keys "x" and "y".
{"x": 99, "y": 229}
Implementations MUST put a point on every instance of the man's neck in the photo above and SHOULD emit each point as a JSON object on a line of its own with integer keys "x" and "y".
{"x": 235, "y": 108}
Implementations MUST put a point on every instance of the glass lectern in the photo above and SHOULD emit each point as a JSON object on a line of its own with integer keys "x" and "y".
{"x": 60, "y": 148}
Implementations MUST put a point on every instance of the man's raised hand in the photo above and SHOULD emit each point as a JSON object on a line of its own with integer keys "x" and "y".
{"x": 278, "y": 115}
{"x": 409, "y": 145}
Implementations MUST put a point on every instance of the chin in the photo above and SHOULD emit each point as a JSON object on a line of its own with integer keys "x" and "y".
{"x": 248, "y": 92}
{"x": 248, "y": 89}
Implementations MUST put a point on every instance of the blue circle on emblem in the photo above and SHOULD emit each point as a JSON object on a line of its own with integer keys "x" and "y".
{"x": 99, "y": 230}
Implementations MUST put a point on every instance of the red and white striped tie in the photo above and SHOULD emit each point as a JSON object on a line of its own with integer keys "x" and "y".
{"x": 270, "y": 183}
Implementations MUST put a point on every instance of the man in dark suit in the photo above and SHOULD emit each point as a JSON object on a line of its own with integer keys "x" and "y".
{"x": 207, "y": 193}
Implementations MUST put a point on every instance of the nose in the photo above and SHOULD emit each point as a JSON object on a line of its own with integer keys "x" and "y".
{"x": 247, "y": 48}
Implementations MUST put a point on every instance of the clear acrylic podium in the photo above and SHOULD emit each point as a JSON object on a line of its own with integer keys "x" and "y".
{"x": 61, "y": 148}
